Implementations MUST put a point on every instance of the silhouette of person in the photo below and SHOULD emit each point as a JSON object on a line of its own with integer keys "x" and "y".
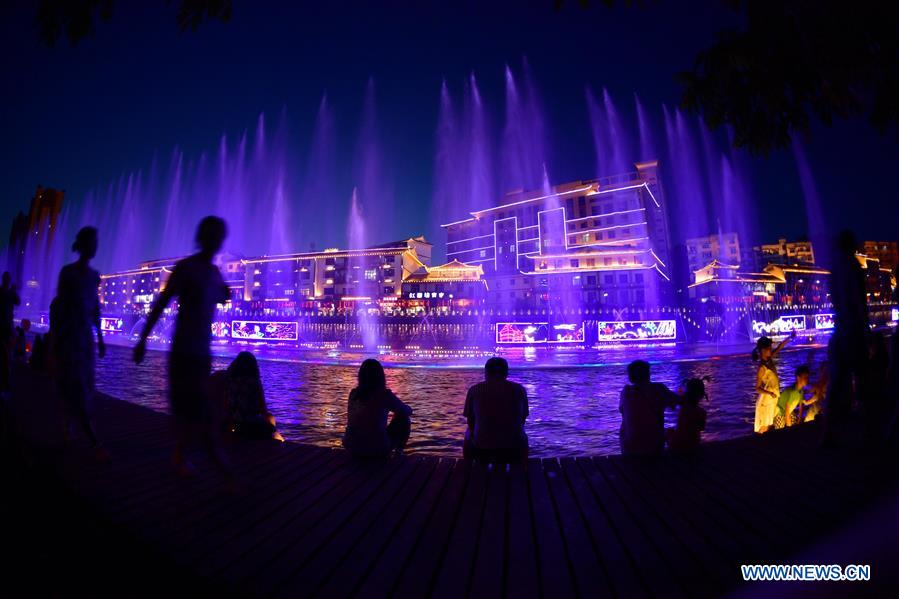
{"x": 687, "y": 433}
{"x": 367, "y": 432}
{"x": 198, "y": 285}
{"x": 496, "y": 410}
{"x": 9, "y": 299}
{"x": 75, "y": 317}
{"x": 848, "y": 346}
{"x": 237, "y": 392}
{"x": 642, "y": 405}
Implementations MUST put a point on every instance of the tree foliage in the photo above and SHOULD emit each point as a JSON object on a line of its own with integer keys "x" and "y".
{"x": 76, "y": 19}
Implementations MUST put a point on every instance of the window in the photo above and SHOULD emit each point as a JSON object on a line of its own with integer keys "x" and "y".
{"x": 591, "y": 261}
{"x": 622, "y": 279}
{"x": 610, "y": 279}
{"x": 611, "y": 234}
{"x": 483, "y": 253}
{"x": 585, "y": 237}
{"x": 638, "y": 277}
{"x": 512, "y": 249}
{"x": 591, "y": 280}
{"x": 371, "y": 275}
{"x": 575, "y": 263}
{"x": 607, "y": 261}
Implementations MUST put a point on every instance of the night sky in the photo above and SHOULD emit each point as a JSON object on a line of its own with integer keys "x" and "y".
{"x": 79, "y": 117}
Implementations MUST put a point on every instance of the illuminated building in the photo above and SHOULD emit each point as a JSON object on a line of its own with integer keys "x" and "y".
{"x": 887, "y": 252}
{"x": 451, "y": 286}
{"x": 784, "y": 252}
{"x": 600, "y": 242}
{"x": 723, "y": 247}
{"x": 727, "y": 283}
{"x": 880, "y": 282}
{"x": 332, "y": 276}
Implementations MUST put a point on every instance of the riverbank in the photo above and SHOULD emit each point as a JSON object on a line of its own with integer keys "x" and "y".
{"x": 309, "y": 520}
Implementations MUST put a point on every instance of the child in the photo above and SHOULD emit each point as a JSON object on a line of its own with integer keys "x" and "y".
{"x": 819, "y": 389}
{"x": 685, "y": 437}
{"x": 767, "y": 385}
{"x": 238, "y": 393}
{"x": 642, "y": 406}
{"x": 790, "y": 398}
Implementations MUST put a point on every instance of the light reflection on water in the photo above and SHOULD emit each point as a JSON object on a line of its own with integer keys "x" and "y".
{"x": 574, "y": 410}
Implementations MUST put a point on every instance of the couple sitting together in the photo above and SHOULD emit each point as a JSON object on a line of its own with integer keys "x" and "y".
{"x": 495, "y": 410}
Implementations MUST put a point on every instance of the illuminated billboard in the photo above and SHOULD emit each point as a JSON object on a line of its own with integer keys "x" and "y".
{"x": 112, "y": 325}
{"x": 824, "y": 321}
{"x": 894, "y": 315}
{"x": 637, "y": 330}
{"x": 521, "y": 332}
{"x": 566, "y": 333}
{"x": 781, "y": 326}
{"x": 221, "y": 329}
{"x": 261, "y": 330}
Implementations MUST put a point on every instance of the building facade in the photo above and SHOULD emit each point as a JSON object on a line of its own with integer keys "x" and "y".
{"x": 601, "y": 242}
{"x": 784, "y": 252}
{"x": 723, "y": 247}
{"x": 886, "y": 252}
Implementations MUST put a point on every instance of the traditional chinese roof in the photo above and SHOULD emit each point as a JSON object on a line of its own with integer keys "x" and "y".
{"x": 451, "y": 272}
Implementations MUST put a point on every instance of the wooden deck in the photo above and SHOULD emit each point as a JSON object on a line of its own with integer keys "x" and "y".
{"x": 311, "y": 521}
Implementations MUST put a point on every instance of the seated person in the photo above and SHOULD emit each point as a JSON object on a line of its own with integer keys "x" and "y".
{"x": 809, "y": 409}
{"x": 791, "y": 398}
{"x": 240, "y": 399}
{"x": 496, "y": 410}
{"x": 642, "y": 406}
{"x": 367, "y": 432}
{"x": 685, "y": 436}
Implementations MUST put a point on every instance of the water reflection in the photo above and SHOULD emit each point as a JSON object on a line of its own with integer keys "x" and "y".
{"x": 574, "y": 410}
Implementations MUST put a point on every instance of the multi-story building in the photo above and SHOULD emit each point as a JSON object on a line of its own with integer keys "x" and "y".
{"x": 333, "y": 276}
{"x": 728, "y": 283}
{"x": 887, "y": 252}
{"x": 784, "y": 252}
{"x": 701, "y": 251}
{"x": 601, "y": 242}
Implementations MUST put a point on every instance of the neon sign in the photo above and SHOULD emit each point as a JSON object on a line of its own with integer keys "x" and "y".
{"x": 567, "y": 333}
{"x": 824, "y": 321}
{"x": 530, "y": 333}
{"x": 894, "y": 315}
{"x": 637, "y": 330}
{"x": 782, "y": 325}
{"x": 221, "y": 329}
{"x": 262, "y": 330}
{"x": 112, "y": 325}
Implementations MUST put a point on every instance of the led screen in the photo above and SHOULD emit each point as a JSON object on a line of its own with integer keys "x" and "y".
{"x": 112, "y": 325}
{"x": 638, "y": 330}
{"x": 521, "y": 332}
{"x": 221, "y": 330}
{"x": 895, "y": 315}
{"x": 782, "y": 325}
{"x": 566, "y": 333}
{"x": 264, "y": 330}
{"x": 824, "y": 321}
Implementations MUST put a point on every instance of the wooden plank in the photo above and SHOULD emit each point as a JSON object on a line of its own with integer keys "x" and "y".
{"x": 520, "y": 569}
{"x": 589, "y": 571}
{"x": 491, "y": 548}
{"x": 360, "y": 538}
{"x": 658, "y": 576}
{"x": 418, "y": 573}
{"x": 553, "y": 566}
{"x": 377, "y": 579}
{"x": 623, "y": 572}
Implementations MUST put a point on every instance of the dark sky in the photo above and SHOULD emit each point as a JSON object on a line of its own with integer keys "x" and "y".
{"x": 79, "y": 117}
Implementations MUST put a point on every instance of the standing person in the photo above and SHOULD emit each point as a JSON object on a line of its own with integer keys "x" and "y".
{"x": 75, "y": 317}
{"x": 848, "y": 345}
{"x": 367, "y": 432}
{"x": 642, "y": 405}
{"x": 9, "y": 299}
{"x": 767, "y": 383}
{"x": 496, "y": 410}
{"x": 198, "y": 285}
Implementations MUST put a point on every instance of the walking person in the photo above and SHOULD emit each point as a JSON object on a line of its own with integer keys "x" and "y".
{"x": 74, "y": 318}
{"x": 767, "y": 383}
{"x": 198, "y": 285}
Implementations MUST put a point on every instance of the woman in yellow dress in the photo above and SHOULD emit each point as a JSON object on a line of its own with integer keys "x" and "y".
{"x": 767, "y": 383}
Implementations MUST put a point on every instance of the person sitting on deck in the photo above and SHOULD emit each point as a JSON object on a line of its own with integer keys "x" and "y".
{"x": 685, "y": 436}
{"x": 791, "y": 398}
{"x": 21, "y": 349}
{"x": 238, "y": 392}
{"x": 496, "y": 410}
{"x": 642, "y": 406}
{"x": 367, "y": 432}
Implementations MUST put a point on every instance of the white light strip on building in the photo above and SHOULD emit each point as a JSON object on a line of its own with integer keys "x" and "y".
{"x": 585, "y": 231}
{"x": 657, "y": 258}
{"x": 470, "y": 238}
{"x": 574, "y": 220}
{"x": 458, "y": 222}
{"x": 652, "y": 195}
{"x": 613, "y": 242}
{"x": 518, "y": 203}
{"x": 587, "y": 254}
{"x": 486, "y": 247}
{"x": 602, "y": 191}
